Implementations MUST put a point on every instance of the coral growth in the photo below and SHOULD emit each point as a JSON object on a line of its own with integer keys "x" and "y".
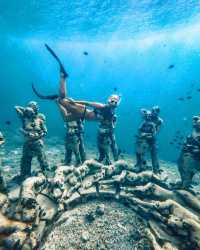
{"x": 28, "y": 213}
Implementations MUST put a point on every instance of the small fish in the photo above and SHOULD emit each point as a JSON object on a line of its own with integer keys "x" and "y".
{"x": 8, "y": 122}
{"x": 198, "y": 90}
{"x": 171, "y": 143}
{"x": 115, "y": 88}
{"x": 181, "y": 99}
{"x": 85, "y": 53}
{"x": 189, "y": 97}
{"x": 171, "y": 66}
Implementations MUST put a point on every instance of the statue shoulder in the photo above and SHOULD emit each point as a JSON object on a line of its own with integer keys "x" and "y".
{"x": 41, "y": 116}
{"x": 160, "y": 121}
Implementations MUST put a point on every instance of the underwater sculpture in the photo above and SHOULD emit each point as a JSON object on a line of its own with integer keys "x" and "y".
{"x": 146, "y": 139}
{"x": 33, "y": 129}
{"x": 105, "y": 114}
{"x": 2, "y": 140}
{"x": 69, "y": 179}
{"x": 74, "y": 142}
{"x": 28, "y": 213}
{"x": 2, "y": 183}
{"x": 106, "y": 136}
{"x": 73, "y": 111}
{"x": 189, "y": 159}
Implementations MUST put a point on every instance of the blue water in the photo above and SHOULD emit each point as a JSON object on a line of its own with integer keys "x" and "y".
{"x": 130, "y": 46}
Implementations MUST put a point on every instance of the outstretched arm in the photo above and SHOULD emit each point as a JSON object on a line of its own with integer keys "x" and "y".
{"x": 158, "y": 127}
{"x": 91, "y": 104}
{"x": 63, "y": 94}
{"x": 20, "y": 111}
{"x": 66, "y": 115}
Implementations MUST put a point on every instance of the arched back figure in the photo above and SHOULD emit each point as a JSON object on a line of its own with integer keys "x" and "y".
{"x": 104, "y": 113}
{"x": 93, "y": 111}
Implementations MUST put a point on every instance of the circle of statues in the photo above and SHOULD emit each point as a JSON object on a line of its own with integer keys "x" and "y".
{"x": 170, "y": 208}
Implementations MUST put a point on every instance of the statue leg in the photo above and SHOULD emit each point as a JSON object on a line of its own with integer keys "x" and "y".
{"x": 186, "y": 169}
{"x": 41, "y": 156}
{"x": 26, "y": 160}
{"x": 68, "y": 150}
{"x": 75, "y": 146}
{"x": 141, "y": 148}
{"x": 103, "y": 147}
{"x": 82, "y": 148}
{"x": 114, "y": 147}
{"x": 154, "y": 157}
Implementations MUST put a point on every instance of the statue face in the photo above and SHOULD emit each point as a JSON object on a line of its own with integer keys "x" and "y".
{"x": 155, "y": 110}
{"x": 114, "y": 100}
{"x": 34, "y": 106}
{"x": 196, "y": 122}
{"x": 148, "y": 116}
{"x": 29, "y": 112}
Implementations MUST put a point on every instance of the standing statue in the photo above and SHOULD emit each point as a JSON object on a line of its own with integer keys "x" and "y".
{"x": 33, "y": 129}
{"x": 74, "y": 143}
{"x": 106, "y": 135}
{"x": 146, "y": 139}
{"x": 105, "y": 114}
{"x": 189, "y": 159}
{"x": 2, "y": 183}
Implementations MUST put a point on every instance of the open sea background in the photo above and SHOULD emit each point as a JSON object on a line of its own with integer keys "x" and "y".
{"x": 130, "y": 45}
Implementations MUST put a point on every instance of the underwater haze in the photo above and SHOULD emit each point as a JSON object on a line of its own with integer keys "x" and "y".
{"x": 146, "y": 50}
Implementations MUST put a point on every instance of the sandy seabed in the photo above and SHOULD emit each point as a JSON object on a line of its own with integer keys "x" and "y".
{"x": 118, "y": 228}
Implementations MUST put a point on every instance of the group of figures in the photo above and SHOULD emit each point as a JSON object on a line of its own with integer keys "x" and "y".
{"x": 76, "y": 112}
{"x": 170, "y": 217}
{"x": 170, "y": 213}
